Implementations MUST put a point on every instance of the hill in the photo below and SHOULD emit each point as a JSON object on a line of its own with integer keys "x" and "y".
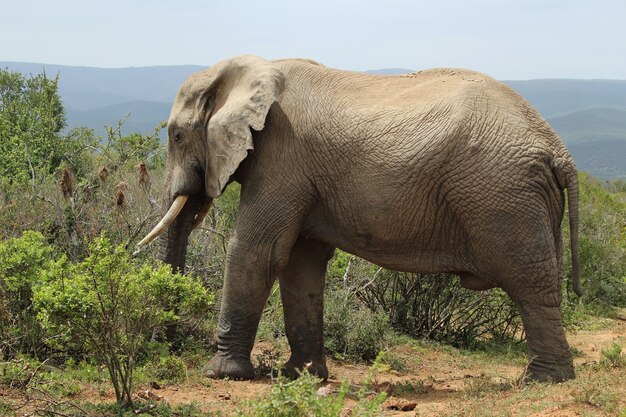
{"x": 597, "y": 140}
{"x": 144, "y": 116}
{"x": 590, "y": 115}
{"x": 87, "y": 88}
{"x": 593, "y": 125}
{"x": 554, "y": 98}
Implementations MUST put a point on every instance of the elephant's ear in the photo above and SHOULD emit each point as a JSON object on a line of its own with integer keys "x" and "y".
{"x": 239, "y": 99}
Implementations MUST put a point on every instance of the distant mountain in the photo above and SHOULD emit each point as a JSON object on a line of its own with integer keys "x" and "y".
{"x": 95, "y": 97}
{"x": 593, "y": 125}
{"x": 590, "y": 115}
{"x": 604, "y": 159}
{"x": 86, "y": 88}
{"x": 555, "y": 98}
{"x": 144, "y": 116}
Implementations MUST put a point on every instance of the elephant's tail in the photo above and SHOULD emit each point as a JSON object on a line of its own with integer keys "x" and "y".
{"x": 568, "y": 178}
{"x": 572, "y": 202}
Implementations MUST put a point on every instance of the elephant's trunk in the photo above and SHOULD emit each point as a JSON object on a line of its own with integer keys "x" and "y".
{"x": 173, "y": 250}
{"x": 185, "y": 213}
{"x": 173, "y": 245}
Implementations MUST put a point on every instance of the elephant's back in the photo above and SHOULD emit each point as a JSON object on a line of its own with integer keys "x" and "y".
{"x": 436, "y": 121}
{"x": 383, "y": 90}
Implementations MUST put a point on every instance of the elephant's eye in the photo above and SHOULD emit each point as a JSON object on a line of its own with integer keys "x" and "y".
{"x": 178, "y": 137}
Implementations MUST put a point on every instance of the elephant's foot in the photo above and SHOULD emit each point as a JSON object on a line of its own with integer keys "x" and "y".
{"x": 221, "y": 366}
{"x": 294, "y": 368}
{"x": 547, "y": 371}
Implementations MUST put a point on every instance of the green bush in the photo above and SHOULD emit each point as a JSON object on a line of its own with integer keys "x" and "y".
{"x": 613, "y": 357}
{"x": 171, "y": 369}
{"x": 431, "y": 306}
{"x": 19, "y": 372}
{"x": 22, "y": 261}
{"x": 6, "y": 409}
{"x": 351, "y": 330}
{"x": 110, "y": 305}
{"x": 296, "y": 398}
{"x": 299, "y": 398}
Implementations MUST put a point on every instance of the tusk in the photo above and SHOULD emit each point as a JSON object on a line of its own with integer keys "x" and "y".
{"x": 165, "y": 222}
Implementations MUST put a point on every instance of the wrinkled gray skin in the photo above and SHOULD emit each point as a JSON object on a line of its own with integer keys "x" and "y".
{"x": 440, "y": 171}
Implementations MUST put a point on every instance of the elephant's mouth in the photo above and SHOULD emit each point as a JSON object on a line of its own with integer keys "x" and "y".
{"x": 189, "y": 196}
{"x": 200, "y": 211}
{"x": 166, "y": 221}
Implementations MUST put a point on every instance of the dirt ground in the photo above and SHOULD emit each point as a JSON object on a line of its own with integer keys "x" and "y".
{"x": 433, "y": 380}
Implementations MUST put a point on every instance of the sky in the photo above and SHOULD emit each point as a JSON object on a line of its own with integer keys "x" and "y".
{"x": 508, "y": 39}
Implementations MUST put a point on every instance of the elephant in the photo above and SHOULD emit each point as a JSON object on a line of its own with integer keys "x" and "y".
{"x": 441, "y": 170}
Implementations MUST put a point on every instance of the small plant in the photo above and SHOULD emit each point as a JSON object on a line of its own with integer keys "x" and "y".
{"x": 597, "y": 395}
{"x": 414, "y": 386}
{"x": 369, "y": 404}
{"x": 300, "y": 398}
{"x": 19, "y": 372}
{"x": 6, "y": 409}
{"x": 613, "y": 357}
{"x": 170, "y": 369}
{"x": 268, "y": 362}
{"x": 397, "y": 363}
{"x": 296, "y": 398}
{"x": 483, "y": 385}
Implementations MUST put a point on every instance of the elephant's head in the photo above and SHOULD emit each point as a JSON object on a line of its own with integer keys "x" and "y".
{"x": 208, "y": 138}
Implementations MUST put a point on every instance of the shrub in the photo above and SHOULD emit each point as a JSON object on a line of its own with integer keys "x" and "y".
{"x": 6, "y": 409}
{"x": 434, "y": 306}
{"x": 299, "y": 398}
{"x": 352, "y": 330}
{"x": 413, "y": 386}
{"x": 295, "y": 398}
{"x": 21, "y": 262}
{"x": 19, "y": 372}
{"x": 111, "y": 305}
{"x": 170, "y": 369}
{"x": 613, "y": 357}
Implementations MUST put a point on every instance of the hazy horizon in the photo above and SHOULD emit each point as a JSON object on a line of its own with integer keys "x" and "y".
{"x": 522, "y": 40}
{"x": 382, "y": 69}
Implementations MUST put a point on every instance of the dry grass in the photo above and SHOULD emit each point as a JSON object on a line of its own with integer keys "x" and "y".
{"x": 439, "y": 380}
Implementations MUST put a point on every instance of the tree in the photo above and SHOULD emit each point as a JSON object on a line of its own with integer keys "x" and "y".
{"x": 31, "y": 121}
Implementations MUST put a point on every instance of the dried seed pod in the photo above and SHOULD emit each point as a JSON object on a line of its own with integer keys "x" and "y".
{"x": 120, "y": 195}
{"x": 144, "y": 177}
{"x": 67, "y": 183}
{"x": 103, "y": 173}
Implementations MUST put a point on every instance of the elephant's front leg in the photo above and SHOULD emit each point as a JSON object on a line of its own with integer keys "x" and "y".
{"x": 247, "y": 285}
{"x": 302, "y": 292}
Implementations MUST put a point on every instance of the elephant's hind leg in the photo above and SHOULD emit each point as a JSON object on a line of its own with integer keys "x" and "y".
{"x": 539, "y": 301}
{"x": 550, "y": 359}
{"x": 302, "y": 292}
